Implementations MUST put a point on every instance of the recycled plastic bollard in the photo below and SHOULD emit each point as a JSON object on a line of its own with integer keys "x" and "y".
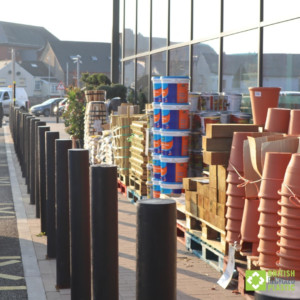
{"x": 80, "y": 224}
{"x": 32, "y": 159}
{"x": 104, "y": 220}
{"x": 36, "y": 170}
{"x": 42, "y": 176}
{"x": 62, "y": 213}
{"x": 21, "y": 129}
{"x": 25, "y": 144}
{"x": 50, "y": 138}
{"x": 28, "y": 147}
{"x": 156, "y": 250}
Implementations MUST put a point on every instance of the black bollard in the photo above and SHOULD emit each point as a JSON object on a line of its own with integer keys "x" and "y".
{"x": 156, "y": 250}
{"x": 51, "y": 136}
{"x": 32, "y": 159}
{"x": 24, "y": 142}
{"x": 27, "y": 151}
{"x": 36, "y": 170}
{"x": 42, "y": 176}
{"x": 80, "y": 224}
{"x": 62, "y": 213}
{"x": 104, "y": 220}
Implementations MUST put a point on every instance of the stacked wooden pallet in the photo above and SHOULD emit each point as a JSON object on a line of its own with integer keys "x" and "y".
{"x": 217, "y": 141}
{"x": 138, "y": 158}
{"x": 121, "y": 135}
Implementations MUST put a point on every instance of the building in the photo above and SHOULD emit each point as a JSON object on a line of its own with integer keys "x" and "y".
{"x": 43, "y": 61}
{"x": 223, "y": 45}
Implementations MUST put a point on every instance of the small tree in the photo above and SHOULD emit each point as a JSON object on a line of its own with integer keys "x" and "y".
{"x": 74, "y": 113}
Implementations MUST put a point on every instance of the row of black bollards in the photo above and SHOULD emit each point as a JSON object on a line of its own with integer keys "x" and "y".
{"x": 78, "y": 208}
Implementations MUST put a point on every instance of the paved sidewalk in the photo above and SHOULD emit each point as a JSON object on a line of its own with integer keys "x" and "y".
{"x": 195, "y": 278}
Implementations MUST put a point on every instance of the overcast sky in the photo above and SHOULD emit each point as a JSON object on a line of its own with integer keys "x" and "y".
{"x": 71, "y": 20}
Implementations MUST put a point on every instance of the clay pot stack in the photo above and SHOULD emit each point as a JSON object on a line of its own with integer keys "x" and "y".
{"x": 278, "y": 120}
{"x": 289, "y": 223}
{"x": 272, "y": 178}
{"x": 235, "y": 193}
{"x": 294, "y": 125}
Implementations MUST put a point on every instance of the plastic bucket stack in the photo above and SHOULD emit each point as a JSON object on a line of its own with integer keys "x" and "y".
{"x": 289, "y": 233}
{"x": 175, "y": 130}
{"x": 272, "y": 177}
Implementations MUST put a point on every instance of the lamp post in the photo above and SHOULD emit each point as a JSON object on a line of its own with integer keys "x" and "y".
{"x": 49, "y": 76}
{"x": 77, "y": 61}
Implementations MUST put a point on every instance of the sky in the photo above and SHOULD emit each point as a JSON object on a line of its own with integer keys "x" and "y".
{"x": 88, "y": 20}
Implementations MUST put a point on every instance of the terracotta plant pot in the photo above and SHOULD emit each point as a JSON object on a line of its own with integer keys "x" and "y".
{"x": 249, "y": 225}
{"x": 287, "y": 220}
{"x": 290, "y": 210}
{"x": 289, "y": 262}
{"x": 291, "y": 177}
{"x": 234, "y": 190}
{"x": 236, "y": 151}
{"x": 288, "y": 238}
{"x": 295, "y": 230}
{"x": 263, "y": 98}
{"x": 289, "y": 251}
{"x": 234, "y": 178}
{"x": 232, "y": 236}
{"x": 267, "y": 261}
{"x": 268, "y": 219}
{"x": 268, "y": 233}
{"x": 294, "y": 125}
{"x": 268, "y": 247}
{"x": 233, "y": 225}
{"x": 286, "y": 264}
{"x": 236, "y": 202}
{"x": 274, "y": 169}
{"x": 270, "y": 206}
{"x": 278, "y": 120}
{"x": 234, "y": 213}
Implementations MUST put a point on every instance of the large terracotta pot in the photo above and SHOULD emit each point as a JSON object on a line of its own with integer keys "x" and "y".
{"x": 234, "y": 178}
{"x": 268, "y": 246}
{"x": 263, "y": 98}
{"x": 291, "y": 181}
{"x": 234, "y": 190}
{"x": 234, "y": 213}
{"x": 267, "y": 261}
{"x": 237, "y": 202}
{"x": 278, "y": 120}
{"x": 294, "y": 125}
{"x": 249, "y": 225}
{"x": 289, "y": 220}
{"x": 268, "y": 219}
{"x": 270, "y": 206}
{"x": 274, "y": 169}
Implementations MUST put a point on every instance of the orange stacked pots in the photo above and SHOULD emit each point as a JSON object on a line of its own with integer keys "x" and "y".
{"x": 235, "y": 193}
{"x": 272, "y": 177}
{"x": 294, "y": 125}
{"x": 278, "y": 120}
{"x": 289, "y": 258}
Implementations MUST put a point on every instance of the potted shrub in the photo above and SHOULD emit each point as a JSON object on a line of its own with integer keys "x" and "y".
{"x": 74, "y": 116}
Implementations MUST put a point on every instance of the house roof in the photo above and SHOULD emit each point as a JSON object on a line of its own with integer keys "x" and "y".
{"x": 26, "y": 36}
{"x": 95, "y": 57}
{"x": 36, "y": 68}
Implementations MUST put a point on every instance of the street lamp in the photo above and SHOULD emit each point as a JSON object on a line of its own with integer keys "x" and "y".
{"x": 77, "y": 61}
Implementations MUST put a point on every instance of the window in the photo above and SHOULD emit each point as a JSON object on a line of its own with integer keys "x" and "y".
{"x": 240, "y": 61}
{"x": 179, "y": 62}
{"x": 6, "y": 96}
{"x": 129, "y": 34}
{"x": 37, "y": 85}
{"x": 143, "y": 26}
{"x": 3, "y": 82}
{"x": 180, "y": 21}
{"x": 142, "y": 78}
{"x": 53, "y": 88}
{"x": 205, "y": 66}
{"x": 94, "y": 58}
{"x": 22, "y": 81}
{"x": 159, "y": 23}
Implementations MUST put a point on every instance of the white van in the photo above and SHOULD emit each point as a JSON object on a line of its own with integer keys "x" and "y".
{"x": 6, "y": 98}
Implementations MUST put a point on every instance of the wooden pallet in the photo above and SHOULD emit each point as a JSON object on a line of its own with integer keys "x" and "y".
{"x": 138, "y": 185}
{"x": 133, "y": 196}
{"x": 124, "y": 178}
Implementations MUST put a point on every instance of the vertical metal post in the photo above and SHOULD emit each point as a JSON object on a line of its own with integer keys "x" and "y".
{"x": 62, "y": 213}
{"x": 36, "y": 170}
{"x": 32, "y": 159}
{"x": 42, "y": 176}
{"x": 28, "y": 149}
{"x": 51, "y": 136}
{"x": 115, "y": 43}
{"x": 80, "y": 224}
{"x": 104, "y": 220}
{"x": 156, "y": 250}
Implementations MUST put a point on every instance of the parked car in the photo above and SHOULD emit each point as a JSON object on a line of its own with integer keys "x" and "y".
{"x": 45, "y": 108}
{"x": 61, "y": 107}
{"x": 6, "y": 98}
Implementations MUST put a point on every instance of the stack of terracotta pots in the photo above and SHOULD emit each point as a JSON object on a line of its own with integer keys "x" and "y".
{"x": 273, "y": 172}
{"x": 278, "y": 120}
{"x": 235, "y": 192}
{"x": 289, "y": 258}
{"x": 294, "y": 125}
